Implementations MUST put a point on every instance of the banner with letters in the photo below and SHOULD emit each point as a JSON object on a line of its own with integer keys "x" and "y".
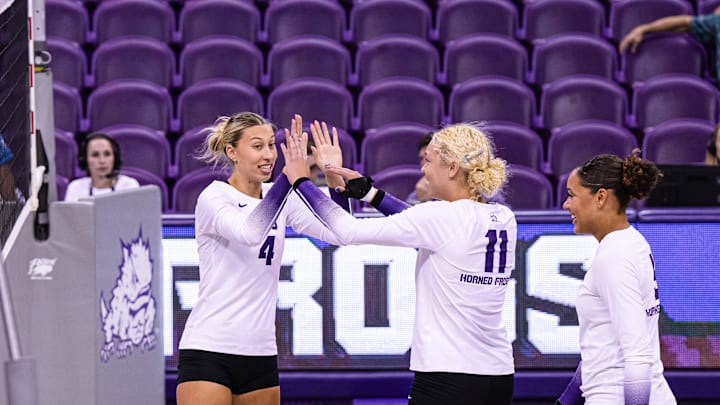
{"x": 353, "y": 307}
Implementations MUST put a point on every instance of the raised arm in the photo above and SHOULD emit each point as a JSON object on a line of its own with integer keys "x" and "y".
{"x": 360, "y": 187}
{"x": 677, "y": 23}
{"x": 251, "y": 228}
{"x": 426, "y": 226}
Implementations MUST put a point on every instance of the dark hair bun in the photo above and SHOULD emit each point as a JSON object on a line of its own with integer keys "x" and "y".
{"x": 639, "y": 176}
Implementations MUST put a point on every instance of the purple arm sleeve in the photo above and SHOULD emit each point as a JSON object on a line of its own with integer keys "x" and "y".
{"x": 388, "y": 204}
{"x": 572, "y": 394}
{"x": 637, "y": 392}
{"x": 322, "y": 207}
{"x": 637, "y": 383}
{"x": 264, "y": 215}
{"x": 340, "y": 200}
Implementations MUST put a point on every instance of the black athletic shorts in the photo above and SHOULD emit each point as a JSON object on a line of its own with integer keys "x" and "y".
{"x": 461, "y": 389}
{"x": 239, "y": 373}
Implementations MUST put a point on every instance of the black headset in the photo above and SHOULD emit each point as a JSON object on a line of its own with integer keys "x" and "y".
{"x": 82, "y": 155}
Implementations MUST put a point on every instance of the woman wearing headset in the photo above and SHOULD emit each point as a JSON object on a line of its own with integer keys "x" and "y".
{"x": 100, "y": 157}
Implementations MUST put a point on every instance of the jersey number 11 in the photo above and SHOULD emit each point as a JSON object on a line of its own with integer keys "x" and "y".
{"x": 490, "y": 253}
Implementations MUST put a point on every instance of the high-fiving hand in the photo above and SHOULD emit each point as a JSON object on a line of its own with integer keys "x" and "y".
{"x": 327, "y": 151}
{"x": 295, "y": 151}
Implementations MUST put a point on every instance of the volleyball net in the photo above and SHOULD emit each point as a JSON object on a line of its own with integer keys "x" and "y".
{"x": 15, "y": 113}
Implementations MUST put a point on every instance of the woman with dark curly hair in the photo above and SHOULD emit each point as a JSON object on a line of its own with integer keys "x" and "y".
{"x": 618, "y": 303}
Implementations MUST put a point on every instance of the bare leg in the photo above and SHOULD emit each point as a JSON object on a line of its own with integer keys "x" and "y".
{"x": 265, "y": 396}
{"x": 204, "y": 393}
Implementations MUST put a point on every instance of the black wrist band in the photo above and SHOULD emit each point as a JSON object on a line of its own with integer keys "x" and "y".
{"x": 378, "y": 198}
{"x": 299, "y": 181}
{"x": 358, "y": 188}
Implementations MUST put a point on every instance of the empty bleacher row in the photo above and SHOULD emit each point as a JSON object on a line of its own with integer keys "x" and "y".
{"x": 544, "y": 74}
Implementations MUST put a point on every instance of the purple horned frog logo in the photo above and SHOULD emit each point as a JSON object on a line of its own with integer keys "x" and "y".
{"x": 128, "y": 320}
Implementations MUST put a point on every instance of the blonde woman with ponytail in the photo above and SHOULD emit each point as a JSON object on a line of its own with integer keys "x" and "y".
{"x": 228, "y": 351}
{"x": 460, "y": 353}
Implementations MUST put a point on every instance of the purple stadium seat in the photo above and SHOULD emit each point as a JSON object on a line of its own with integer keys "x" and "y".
{"x": 66, "y": 151}
{"x": 129, "y": 101}
{"x": 581, "y": 97}
{"x": 517, "y": 144}
{"x": 62, "y": 184}
{"x": 314, "y": 99}
{"x": 484, "y": 54}
{"x": 142, "y": 147}
{"x": 545, "y": 18}
{"x": 219, "y": 17}
{"x": 347, "y": 144}
{"x": 398, "y": 180}
{"x": 371, "y": 19}
{"x": 492, "y": 98}
{"x": 134, "y": 57}
{"x": 669, "y": 96}
{"x": 144, "y": 177}
{"x": 202, "y": 103}
{"x": 154, "y": 19}
{"x": 186, "y": 148}
{"x": 391, "y": 145}
{"x": 707, "y": 6}
{"x": 572, "y": 144}
{"x": 400, "y": 100}
{"x": 288, "y": 18}
{"x": 561, "y": 194}
{"x": 527, "y": 189}
{"x": 220, "y": 56}
{"x": 628, "y": 14}
{"x": 67, "y": 106}
{"x": 396, "y": 55}
{"x": 678, "y": 141}
{"x": 188, "y": 188}
{"x": 66, "y": 19}
{"x": 308, "y": 56}
{"x": 457, "y": 18}
{"x": 68, "y": 62}
{"x": 662, "y": 53}
{"x": 572, "y": 53}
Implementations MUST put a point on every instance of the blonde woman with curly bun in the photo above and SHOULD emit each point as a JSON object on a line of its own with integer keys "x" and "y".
{"x": 228, "y": 349}
{"x": 460, "y": 353}
{"x": 618, "y": 303}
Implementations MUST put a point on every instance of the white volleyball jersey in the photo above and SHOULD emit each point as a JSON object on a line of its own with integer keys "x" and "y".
{"x": 235, "y": 310}
{"x": 466, "y": 254}
{"x": 618, "y": 309}
{"x": 82, "y": 187}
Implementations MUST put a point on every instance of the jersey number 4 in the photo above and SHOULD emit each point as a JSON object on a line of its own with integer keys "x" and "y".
{"x": 267, "y": 250}
{"x": 492, "y": 236}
